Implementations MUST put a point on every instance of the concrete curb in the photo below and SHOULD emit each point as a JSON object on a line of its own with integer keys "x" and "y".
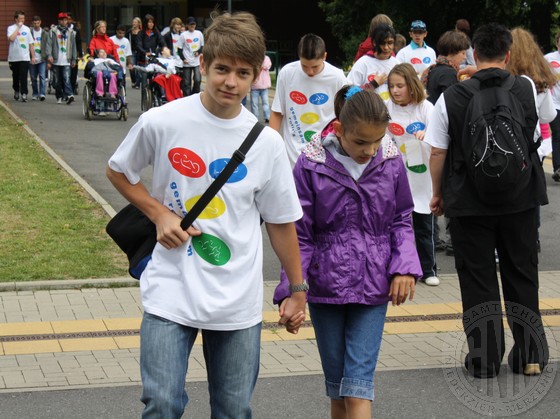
{"x": 59, "y": 284}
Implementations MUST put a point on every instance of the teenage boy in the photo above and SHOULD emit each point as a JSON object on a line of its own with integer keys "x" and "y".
{"x": 124, "y": 50}
{"x": 62, "y": 54}
{"x": 210, "y": 276}
{"x": 192, "y": 46}
{"x": 20, "y": 54}
{"x": 74, "y": 70}
{"x": 305, "y": 91}
{"x": 38, "y": 70}
{"x": 477, "y": 228}
{"x": 417, "y": 53}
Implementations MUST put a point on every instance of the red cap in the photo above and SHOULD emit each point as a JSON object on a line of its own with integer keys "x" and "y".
{"x": 63, "y": 15}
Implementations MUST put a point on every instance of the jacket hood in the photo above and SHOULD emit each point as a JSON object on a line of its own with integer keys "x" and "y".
{"x": 315, "y": 150}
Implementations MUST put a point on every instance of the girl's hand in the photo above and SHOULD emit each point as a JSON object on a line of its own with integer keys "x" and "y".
{"x": 292, "y": 312}
{"x": 420, "y": 135}
{"x": 401, "y": 287}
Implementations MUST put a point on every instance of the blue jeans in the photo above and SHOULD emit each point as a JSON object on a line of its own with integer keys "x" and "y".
{"x": 38, "y": 70}
{"x": 255, "y": 95}
{"x": 232, "y": 364}
{"x": 62, "y": 81}
{"x": 191, "y": 80}
{"x": 349, "y": 338}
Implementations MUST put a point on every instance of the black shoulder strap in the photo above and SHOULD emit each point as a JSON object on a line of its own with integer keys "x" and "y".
{"x": 213, "y": 189}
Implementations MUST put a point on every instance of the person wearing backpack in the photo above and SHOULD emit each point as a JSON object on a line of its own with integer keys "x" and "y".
{"x": 487, "y": 178}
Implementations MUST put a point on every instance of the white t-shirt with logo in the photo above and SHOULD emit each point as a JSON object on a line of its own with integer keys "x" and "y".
{"x": 213, "y": 281}
{"x": 554, "y": 59}
{"x": 367, "y": 69}
{"x": 420, "y": 58}
{"x": 405, "y": 121}
{"x": 37, "y": 36}
{"x": 306, "y": 103}
{"x": 123, "y": 50}
{"x": 19, "y": 47}
{"x": 192, "y": 41}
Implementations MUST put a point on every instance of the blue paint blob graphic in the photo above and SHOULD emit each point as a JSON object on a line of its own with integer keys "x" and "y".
{"x": 415, "y": 127}
{"x": 427, "y": 60}
{"x": 218, "y": 165}
{"x": 319, "y": 98}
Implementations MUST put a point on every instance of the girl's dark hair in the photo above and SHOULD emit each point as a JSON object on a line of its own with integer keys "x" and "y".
{"x": 362, "y": 106}
{"x": 452, "y": 42}
{"x": 380, "y": 34}
{"x": 147, "y": 18}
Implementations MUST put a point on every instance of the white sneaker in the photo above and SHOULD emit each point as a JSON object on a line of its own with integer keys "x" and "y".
{"x": 59, "y": 100}
{"x": 432, "y": 281}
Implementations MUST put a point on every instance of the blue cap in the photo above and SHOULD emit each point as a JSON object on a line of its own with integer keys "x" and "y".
{"x": 418, "y": 25}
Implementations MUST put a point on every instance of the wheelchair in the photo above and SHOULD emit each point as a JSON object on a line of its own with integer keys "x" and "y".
{"x": 152, "y": 94}
{"x": 94, "y": 104}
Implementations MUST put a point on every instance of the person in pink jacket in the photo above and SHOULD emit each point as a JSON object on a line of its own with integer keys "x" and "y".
{"x": 259, "y": 89}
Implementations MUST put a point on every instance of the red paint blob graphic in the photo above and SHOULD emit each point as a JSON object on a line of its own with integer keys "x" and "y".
{"x": 415, "y": 60}
{"x": 298, "y": 97}
{"x": 371, "y": 77}
{"x": 396, "y": 129}
{"x": 186, "y": 162}
{"x": 555, "y": 64}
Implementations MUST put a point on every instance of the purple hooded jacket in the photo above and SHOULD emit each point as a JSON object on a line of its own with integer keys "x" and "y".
{"x": 354, "y": 237}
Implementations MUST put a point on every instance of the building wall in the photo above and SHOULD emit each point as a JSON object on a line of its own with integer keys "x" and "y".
{"x": 31, "y": 8}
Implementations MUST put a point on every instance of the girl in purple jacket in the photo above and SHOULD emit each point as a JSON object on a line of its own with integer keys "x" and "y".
{"x": 356, "y": 242}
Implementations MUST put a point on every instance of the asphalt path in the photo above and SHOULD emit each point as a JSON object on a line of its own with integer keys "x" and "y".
{"x": 87, "y": 145}
{"x": 421, "y": 393}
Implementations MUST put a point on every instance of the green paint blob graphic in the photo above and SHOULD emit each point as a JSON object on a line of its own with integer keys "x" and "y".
{"x": 421, "y": 168}
{"x": 308, "y": 134}
{"x": 212, "y": 249}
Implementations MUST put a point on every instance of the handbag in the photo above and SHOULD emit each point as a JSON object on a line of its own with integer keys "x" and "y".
{"x": 135, "y": 233}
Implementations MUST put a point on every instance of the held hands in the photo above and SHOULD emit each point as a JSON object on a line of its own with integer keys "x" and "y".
{"x": 292, "y": 312}
{"x": 169, "y": 232}
{"x": 436, "y": 205}
{"x": 401, "y": 287}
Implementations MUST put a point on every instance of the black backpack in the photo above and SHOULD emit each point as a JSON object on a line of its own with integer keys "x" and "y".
{"x": 496, "y": 144}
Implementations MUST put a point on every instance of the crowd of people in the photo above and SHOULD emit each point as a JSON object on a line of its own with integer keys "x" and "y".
{"x": 348, "y": 179}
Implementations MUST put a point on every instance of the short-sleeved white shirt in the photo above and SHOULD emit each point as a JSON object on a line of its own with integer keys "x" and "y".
{"x": 192, "y": 42}
{"x": 420, "y": 58}
{"x": 405, "y": 121}
{"x": 306, "y": 103}
{"x": 554, "y": 59}
{"x": 123, "y": 50}
{"x": 212, "y": 281}
{"x": 368, "y": 68}
{"x": 37, "y": 37}
{"x": 19, "y": 47}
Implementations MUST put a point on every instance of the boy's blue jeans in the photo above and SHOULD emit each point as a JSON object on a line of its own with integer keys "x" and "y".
{"x": 40, "y": 71}
{"x": 62, "y": 81}
{"x": 232, "y": 364}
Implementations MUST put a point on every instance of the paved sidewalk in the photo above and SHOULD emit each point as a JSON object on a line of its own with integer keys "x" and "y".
{"x": 72, "y": 338}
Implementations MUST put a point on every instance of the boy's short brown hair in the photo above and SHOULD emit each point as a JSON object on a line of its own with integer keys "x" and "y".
{"x": 237, "y": 36}
{"x": 311, "y": 47}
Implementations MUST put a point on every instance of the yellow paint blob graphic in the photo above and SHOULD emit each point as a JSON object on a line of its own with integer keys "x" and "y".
{"x": 403, "y": 149}
{"x": 214, "y": 209}
{"x": 385, "y": 95}
{"x": 309, "y": 118}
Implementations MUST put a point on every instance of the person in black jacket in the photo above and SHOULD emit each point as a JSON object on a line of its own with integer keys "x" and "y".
{"x": 132, "y": 35}
{"x": 148, "y": 42}
{"x": 478, "y": 226}
{"x": 74, "y": 70}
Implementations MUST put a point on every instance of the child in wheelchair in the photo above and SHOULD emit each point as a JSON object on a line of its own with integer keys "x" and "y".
{"x": 106, "y": 72}
{"x": 165, "y": 83}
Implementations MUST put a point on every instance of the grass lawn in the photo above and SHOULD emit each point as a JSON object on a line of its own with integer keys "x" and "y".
{"x": 49, "y": 227}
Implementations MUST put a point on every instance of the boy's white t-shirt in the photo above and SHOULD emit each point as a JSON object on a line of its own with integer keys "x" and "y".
{"x": 37, "y": 36}
{"x": 554, "y": 59}
{"x": 306, "y": 103}
{"x": 420, "y": 58}
{"x": 19, "y": 48}
{"x": 367, "y": 68}
{"x": 405, "y": 121}
{"x": 123, "y": 50}
{"x": 192, "y": 42}
{"x": 213, "y": 281}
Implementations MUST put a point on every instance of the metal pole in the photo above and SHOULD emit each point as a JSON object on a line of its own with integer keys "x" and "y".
{"x": 229, "y": 6}
{"x": 87, "y": 25}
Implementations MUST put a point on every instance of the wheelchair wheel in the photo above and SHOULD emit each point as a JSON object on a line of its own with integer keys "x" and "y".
{"x": 86, "y": 108}
{"x": 147, "y": 98}
{"x": 123, "y": 114}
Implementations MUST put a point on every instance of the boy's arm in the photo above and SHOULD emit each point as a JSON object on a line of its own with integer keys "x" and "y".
{"x": 275, "y": 120}
{"x": 283, "y": 238}
{"x": 168, "y": 224}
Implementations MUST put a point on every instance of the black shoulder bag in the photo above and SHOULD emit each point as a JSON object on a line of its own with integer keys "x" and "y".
{"x": 135, "y": 234}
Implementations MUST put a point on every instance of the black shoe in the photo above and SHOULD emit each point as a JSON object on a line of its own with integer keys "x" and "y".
{"x": 266, "y": 121}
{"x": 478, "y": 373}
{"x": 449, "y": 250}
{"x": 70, "y": 100}
{"x": 556, "y": 175}
{"x": 24, "y": 97}
{"x": 16, "y": 95}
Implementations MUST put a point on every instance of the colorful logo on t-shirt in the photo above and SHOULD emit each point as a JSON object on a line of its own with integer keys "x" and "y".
{"x": 420, "y": 168}
{"x": 298, "y": 98}
{"x": 186, "y": 162}
{"x": 309, "y": 118}
{"x": 396, "y": 129}
{"x": 212, "y": 249}
{"x": 555, "y": 64}
{"x": 415, "y": 60}
{"x": 318, "y": 98}
{"x": 308, "y": 135}
{"x": 415, "y": 127}
{"x": 427, "y": 60}
{"x": 218, "y": 165}
{"x": 214, "y": 209}
{"x": 384, "y": 95}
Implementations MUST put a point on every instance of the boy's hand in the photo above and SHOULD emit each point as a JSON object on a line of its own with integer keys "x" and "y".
{"x": 420, "y": 135}
{"x": 169, "y": 232}
{"x": 292, "y": 312}
{"x": 401, "y": 286}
